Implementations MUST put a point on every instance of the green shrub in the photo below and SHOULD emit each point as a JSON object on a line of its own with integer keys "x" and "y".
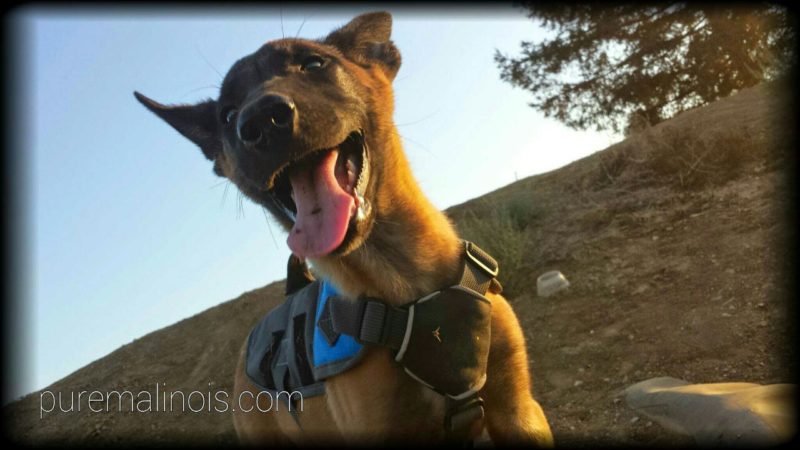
{"x": 500, "y": 229}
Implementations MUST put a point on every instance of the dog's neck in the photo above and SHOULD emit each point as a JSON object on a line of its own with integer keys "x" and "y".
{"x": 411, "y": 251}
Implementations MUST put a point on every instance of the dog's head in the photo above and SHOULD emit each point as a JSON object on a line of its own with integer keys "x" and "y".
{"x": 300, "y": 126}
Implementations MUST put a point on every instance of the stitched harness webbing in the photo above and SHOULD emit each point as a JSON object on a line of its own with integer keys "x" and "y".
{"x": 436, "y": 338}
{"x": 442, "y": 340}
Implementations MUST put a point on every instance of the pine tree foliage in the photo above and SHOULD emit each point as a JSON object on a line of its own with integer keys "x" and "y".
{"x": 610, "y": 66}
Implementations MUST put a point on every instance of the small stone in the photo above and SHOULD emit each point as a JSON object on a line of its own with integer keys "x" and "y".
{"x": 635, "y": 419}
{"x": 577, "y": 383}
{"x": 726, "y": 315}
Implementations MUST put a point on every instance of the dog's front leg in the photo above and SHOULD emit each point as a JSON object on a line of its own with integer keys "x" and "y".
{"x": 512, "y": 415}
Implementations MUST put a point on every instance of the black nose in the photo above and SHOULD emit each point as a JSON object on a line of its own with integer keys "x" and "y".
{"x": 268, "y": 116}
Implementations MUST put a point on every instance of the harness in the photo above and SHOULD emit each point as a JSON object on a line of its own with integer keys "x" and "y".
{"x": 441, "y": 340}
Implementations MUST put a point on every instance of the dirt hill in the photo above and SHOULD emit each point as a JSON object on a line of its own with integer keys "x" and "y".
{"x": 675, "y": 241}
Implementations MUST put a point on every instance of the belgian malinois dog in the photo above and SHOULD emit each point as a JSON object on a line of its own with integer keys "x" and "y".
{"x": 305, "y": 129}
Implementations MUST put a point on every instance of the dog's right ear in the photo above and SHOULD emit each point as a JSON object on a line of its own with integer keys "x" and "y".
{"x": 198, "y": 123}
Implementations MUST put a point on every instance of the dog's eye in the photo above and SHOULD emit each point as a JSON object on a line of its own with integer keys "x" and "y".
{"x": 228, "y": 114}
{"x": 312, "y": 63}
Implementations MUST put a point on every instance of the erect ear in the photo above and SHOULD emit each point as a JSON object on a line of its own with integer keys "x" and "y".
{"x": 198, "y": 123}
{"x": 366, "y": 39}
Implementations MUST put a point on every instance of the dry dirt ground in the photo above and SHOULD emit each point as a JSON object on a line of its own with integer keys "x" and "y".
{"x": 670, "y": 276}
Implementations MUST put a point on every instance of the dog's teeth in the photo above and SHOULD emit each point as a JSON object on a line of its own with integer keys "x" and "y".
{"x": 351, "y": 175}
{"x": 362, "y": 205}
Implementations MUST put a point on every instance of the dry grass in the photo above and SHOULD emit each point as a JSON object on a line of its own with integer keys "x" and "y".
{"x": 685, "y": 157}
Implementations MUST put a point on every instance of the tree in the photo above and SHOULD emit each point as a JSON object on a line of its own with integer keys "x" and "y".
{"x": 608, "y": 64}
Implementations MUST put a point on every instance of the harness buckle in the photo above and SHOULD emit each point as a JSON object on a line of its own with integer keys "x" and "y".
{"x": 460, "y": 417}
{"x": 482, "y": 259}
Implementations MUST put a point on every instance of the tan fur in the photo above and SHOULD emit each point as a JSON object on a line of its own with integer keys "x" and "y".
{"x": 412, "y": 250}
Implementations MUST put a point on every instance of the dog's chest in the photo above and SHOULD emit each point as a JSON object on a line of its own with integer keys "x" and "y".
{"x": 377, "y": 395}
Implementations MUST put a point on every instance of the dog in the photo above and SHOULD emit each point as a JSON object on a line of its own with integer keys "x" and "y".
{"x": 305, "y": 129}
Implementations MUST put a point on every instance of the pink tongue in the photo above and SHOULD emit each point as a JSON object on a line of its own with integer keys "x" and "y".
{"x": 323, "y": 209}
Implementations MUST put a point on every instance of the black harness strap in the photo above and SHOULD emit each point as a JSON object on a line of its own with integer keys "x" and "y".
{"x": 372, "y": 321}
{"x": 463, "y": 419}
{"x": 462, "y": 415}
{"x": 368, "y": 320}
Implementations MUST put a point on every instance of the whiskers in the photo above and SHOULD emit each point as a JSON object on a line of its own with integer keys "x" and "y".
{"x": 301, "y": 27}
{"x": 416, "y": 143}
{"x": 240, "y": 207}
{"x": 240, "y": 210}
{"x": 212, "y": 67}
{"x": 269, "y": 226}
{"x": 283, "y": 36}
{"x": 227, "y": 184}
{"x": 419, "y": 120}
{"x": 239, "y": 198}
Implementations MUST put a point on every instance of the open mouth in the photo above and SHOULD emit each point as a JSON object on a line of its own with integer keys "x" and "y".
{"x": 323, "y": 194}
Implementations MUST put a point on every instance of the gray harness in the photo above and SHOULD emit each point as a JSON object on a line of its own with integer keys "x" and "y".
{"x": 441, "y": 340}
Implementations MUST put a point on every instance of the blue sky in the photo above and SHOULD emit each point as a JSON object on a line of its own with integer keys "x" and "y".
{"x": 127, "y": 228}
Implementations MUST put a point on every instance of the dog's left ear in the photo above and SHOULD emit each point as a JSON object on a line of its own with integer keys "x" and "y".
{"x": 198, "y": 123}
{"x": 366, "y": 39}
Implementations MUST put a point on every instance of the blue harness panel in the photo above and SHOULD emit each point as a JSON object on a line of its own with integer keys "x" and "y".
{"x": 290, "y": 349}
{"x": 343, "y": 347}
